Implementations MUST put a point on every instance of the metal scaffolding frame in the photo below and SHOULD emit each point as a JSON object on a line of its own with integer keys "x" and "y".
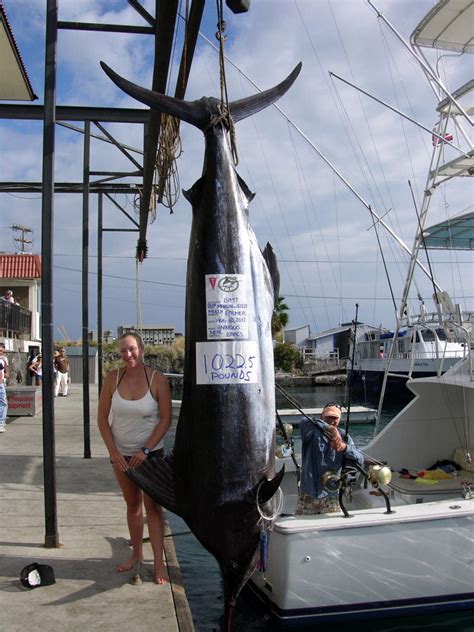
{"x": 163, "y": 28}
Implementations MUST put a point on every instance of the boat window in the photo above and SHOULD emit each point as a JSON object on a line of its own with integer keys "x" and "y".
{"x": 417, "y": 337}
{"x": 441, "y": 334}
{"x": 428, "y": 335}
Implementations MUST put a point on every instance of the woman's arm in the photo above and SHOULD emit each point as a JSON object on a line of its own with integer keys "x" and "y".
{"x": 103, "y": 411}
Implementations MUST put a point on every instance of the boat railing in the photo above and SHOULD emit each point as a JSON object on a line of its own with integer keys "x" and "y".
{"x": 310, "y": 353}
{"x": 436, "y": 349}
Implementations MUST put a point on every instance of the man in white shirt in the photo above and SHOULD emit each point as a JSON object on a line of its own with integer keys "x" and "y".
{"x": 3, "y": 393}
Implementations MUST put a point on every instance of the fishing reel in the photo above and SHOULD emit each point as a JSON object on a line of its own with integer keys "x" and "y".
{"x": 285, "y": 449}
{"x": 340, "y": 483}
{"x": 379, "y": 475}
{"x": 331, "y": 481}
{"x": 334, "y": 481}
{"x": 286, "y": 431}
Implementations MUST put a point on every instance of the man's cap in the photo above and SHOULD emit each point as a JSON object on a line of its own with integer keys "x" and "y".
{"x": 35, "y": 575}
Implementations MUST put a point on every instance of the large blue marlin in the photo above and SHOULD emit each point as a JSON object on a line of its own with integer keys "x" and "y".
{"x": 222, "y": 470}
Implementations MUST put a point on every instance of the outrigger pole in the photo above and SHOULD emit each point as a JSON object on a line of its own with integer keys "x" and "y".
{"x": 397, "y": 111}
{"x": 423, "y": 63}
{"x": 375, "y": 216}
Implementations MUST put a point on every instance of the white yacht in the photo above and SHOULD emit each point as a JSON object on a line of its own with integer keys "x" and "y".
{"x": 411, "y": 551}
{"x": 402, "y": 543}
{"x": 424, "y": 346}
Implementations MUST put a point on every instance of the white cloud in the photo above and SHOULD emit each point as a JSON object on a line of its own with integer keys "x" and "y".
{"x": 306, "y": 212}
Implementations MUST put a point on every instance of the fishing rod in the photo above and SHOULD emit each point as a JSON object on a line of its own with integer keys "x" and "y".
{"x": 374, "y": 215}
{"x": 321, "y": 424}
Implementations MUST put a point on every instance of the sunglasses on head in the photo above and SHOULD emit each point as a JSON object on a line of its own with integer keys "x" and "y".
{"x": 332, "y": 406}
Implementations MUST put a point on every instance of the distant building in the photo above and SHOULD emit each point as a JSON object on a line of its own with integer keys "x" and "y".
{"x": 20, "y": 323}
{"x": 334, "y": 343}
{"x": 151, "y": 334}
{"x": 297, "y": 335}
{"x": 75, "y": 364}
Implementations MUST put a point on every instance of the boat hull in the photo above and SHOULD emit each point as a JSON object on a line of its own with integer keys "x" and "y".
{"x": 367, "y": 383}
{"x": 328, "y": 568}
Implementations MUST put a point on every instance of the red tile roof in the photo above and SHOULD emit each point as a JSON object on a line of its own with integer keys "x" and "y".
{"x": 20, "y": 266}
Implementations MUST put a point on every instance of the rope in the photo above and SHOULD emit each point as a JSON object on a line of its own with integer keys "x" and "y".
{"x": 166, "y": 187}
{"x": 166, "y": 190}
{"x": 138, "y": 297}
{"x": 224, "y": 111}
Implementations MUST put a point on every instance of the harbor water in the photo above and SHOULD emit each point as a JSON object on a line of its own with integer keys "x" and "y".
{"x": 201, "y": 573}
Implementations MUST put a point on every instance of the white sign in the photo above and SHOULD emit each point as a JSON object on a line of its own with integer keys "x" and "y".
{"x": 227, "y": 362}
{"x": 226, "y": 307}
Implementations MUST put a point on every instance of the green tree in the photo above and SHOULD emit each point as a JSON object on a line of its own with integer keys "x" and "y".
{"x": 280, "y": 316}
{"x": 286, "y": 357}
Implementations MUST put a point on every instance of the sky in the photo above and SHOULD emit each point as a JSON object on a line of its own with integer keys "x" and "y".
{"x": 323, "y": 236}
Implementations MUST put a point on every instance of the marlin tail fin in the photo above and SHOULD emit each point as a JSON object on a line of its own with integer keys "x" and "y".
{"x": 200, "y": 113}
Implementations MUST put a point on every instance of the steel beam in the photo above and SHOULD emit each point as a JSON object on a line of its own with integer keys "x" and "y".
{"x": 74, "y": 113}
{"x": 85, "y": 291}
{"x": 165, "y": 26}
{"x": 105, "y": 28}
{"x": 51, "y": 539}
{"x": 70, "y": 187}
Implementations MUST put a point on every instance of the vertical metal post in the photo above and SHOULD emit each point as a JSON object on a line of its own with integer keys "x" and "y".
{"x": 85, "y": 290}
{"x": 99, "y": 289}
{"x": 47, "y": 214}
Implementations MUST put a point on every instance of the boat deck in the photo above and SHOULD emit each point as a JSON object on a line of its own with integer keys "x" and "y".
{"x": 415, "y": 486}
{"x": 376, "y": 516}
{"x": 358, "y": 414}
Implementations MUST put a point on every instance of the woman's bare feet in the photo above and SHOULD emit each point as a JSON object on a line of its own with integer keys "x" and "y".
{"x": 127, "y": 566}
{"x": 161, "y": 574}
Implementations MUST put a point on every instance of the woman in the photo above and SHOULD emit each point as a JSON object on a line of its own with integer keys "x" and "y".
{"x": 36, "y": 369}
{"x": 140, "y": 401}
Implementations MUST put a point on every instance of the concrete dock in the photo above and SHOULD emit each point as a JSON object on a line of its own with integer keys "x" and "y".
{"x": 88, "y": 594}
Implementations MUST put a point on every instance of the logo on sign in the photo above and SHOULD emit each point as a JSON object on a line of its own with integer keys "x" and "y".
{"x": 229, "y": 284}
{"x": 212, "y": 281}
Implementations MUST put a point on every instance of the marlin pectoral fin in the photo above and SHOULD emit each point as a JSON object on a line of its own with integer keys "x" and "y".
{"x": 193, "y": 194}
{"x": 156, "y": 478}
{"x": 271, "y": 261}
{"x": 243, "y": 185}
{"x": 268, "y": 488}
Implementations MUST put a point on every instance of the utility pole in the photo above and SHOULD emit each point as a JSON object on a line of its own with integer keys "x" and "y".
{"x": 25, "y": 244}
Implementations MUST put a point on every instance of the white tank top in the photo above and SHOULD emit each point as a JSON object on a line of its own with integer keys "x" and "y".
{"x": 133, "y": 421}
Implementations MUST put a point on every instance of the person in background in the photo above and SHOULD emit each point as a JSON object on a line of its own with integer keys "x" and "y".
{"x": 3, "y": 393}
{"x": 61, "y": 378}
{"x": 36, "y": 367}
{"x": 31, "y": 375}
{"x": 323, "y": 449}
{"x": 8, "y": 296}
{"x": 140, "y": 401}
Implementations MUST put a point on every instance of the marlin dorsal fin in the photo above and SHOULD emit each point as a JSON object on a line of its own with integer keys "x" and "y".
{"x": 272, "y": 265}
